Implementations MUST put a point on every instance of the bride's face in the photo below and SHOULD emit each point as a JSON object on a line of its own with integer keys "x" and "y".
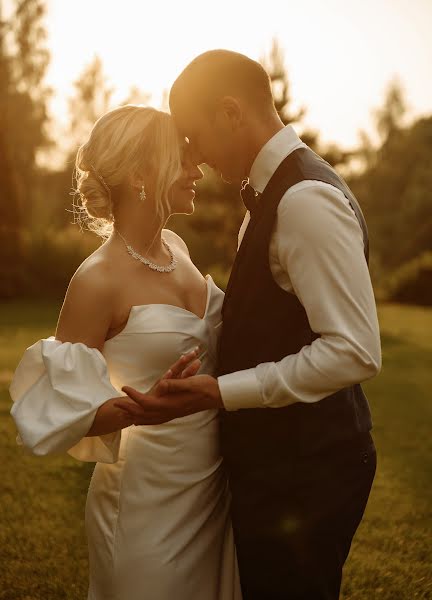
{"x": 182, "y": 193}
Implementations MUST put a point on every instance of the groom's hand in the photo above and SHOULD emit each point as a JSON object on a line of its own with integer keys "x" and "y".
{"x": 200, "y": 391}
{"x": 171, "y": 399}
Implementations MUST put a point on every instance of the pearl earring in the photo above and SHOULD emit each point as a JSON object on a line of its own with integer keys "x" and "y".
{"x": 142, "y": 194}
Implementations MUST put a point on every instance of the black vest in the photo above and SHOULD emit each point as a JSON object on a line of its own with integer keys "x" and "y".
{"x": 264, "y": 323}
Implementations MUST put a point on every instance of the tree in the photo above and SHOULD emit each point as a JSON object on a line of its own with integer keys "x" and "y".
{"x": 10, "y": 243}
{"x": 389, "y": 117}
{"x": 395, "y": 191}
{"x": 136, "y": 96}
{"x": 274, "y": 64}
{"x": 91, "y": 100}
{"x": 23, "y": 117}
{"x": 26, "y": 96}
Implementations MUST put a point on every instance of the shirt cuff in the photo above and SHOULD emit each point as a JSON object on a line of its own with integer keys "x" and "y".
{"x": 240, "y": 390}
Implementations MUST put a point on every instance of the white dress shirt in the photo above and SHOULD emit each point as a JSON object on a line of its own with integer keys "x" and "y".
{"x": 317, "y": 253}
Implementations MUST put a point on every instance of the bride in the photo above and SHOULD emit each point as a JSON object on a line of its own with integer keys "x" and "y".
{"x": 157, "y": 510}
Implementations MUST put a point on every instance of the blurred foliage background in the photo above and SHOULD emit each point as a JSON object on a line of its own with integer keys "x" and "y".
{"x": 40, "y": 246}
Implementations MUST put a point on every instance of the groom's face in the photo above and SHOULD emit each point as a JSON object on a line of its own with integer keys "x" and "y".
{"x": 211, "y": 142}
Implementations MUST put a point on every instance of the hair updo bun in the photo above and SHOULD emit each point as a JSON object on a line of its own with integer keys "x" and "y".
{"x": 124, "y": 142}
{"x": 95, "y": 197}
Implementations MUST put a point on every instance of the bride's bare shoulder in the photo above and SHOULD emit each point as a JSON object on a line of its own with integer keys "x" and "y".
{"x": 88, "y": 305}
{"x": 93, "y": 281}
{"x": 173, "y": 238}
{"x": 96, "y": 269}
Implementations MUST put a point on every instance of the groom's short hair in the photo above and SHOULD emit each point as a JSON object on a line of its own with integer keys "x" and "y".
{"x": 218, "y": 73}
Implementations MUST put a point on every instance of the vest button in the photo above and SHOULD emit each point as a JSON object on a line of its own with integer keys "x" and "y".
{"x": 365, "y": 457}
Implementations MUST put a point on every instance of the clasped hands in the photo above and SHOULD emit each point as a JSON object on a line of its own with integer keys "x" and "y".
{"x": 179, "y": 392}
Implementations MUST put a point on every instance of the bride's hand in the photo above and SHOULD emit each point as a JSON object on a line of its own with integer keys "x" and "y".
{"x": 186, "y": 366}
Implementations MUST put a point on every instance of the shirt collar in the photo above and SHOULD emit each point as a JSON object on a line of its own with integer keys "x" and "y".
{"x": 271, "y": 155}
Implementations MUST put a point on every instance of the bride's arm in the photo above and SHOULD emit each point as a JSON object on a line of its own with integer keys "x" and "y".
{"x": 108, "y": 419}
{"x": 63, "y": 399}
{"x": 87, "y": 312}
{"x": 86, "y": 317}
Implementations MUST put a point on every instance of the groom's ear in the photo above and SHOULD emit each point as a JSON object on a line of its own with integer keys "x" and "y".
{"x": 232, "y": 112}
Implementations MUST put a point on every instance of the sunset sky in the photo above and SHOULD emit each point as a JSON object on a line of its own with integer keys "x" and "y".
{"x": 340, "y": 54}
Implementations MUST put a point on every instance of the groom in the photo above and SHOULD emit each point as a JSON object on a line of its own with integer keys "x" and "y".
{"x": 300, "y": 333}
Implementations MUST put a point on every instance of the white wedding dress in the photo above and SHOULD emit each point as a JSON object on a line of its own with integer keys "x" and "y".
{"x": 157, "y": 510}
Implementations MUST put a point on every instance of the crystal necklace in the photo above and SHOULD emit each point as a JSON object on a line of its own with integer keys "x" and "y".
{"x": 147, "y": 262}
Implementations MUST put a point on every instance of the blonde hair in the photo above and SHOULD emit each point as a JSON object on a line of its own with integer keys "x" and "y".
{"x": 132, "y": 140}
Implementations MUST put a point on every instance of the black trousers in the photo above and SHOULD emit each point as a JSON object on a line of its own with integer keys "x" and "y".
{"x": 294, "y": 520}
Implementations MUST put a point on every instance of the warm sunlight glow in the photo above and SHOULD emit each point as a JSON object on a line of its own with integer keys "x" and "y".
{"x": 340, "y": 55}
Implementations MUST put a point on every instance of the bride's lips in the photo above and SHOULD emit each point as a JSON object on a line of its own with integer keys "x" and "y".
{"x": 190, "y": 187}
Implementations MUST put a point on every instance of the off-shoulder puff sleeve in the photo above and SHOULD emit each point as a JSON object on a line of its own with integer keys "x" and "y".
{"x": 56, "y": 390}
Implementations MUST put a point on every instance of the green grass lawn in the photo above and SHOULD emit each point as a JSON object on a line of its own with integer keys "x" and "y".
{"x": 43, "y": 554}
